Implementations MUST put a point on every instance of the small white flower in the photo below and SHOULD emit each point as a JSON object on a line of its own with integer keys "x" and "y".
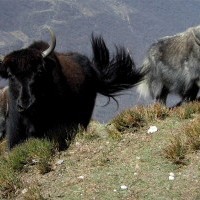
{"x": 124, "y": 187}
{"x": 35, "y": 161}
{"x": 25, "y": 190}
{"x": 171, "y": 178}
{"x": 171, "y": 174}
{"x": 59, "y": 162}
{"x": 81, "y": 177}
{"x": 152, "y": 129}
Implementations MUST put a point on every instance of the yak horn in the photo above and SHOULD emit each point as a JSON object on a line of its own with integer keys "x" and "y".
{"x": 195, "y": 37}
{"x": 52, "y": 45}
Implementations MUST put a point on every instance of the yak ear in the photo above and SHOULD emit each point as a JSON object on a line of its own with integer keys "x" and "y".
{"x": 3, "y": 70}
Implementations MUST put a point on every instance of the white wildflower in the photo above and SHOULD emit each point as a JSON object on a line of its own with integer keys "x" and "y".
{"x": 81, "y": 177}
{"x": 171, "y": 176}
{"x": 25, "y": 190}
{"x": 124, "y": 187}
{"x": 59, "y": 162}
{"x": 152, "y": 129}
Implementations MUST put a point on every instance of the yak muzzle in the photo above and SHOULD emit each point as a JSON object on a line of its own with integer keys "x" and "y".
{"x": 24, "y": 106}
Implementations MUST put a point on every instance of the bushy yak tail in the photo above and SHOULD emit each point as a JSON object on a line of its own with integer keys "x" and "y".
{"x": 113, "y": 74}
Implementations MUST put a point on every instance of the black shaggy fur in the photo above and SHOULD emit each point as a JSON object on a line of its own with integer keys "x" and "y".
{"x": 51, "y": 97}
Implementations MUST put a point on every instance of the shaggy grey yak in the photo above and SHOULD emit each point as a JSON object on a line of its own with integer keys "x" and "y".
{"x": 173, "y": 65}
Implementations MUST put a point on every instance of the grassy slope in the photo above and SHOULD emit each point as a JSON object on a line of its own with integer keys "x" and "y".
{"x": 109, "y": 159}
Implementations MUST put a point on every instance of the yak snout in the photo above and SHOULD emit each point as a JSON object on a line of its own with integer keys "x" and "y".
{"x": 24, "y": 102}
{"x": 24, "y": 105}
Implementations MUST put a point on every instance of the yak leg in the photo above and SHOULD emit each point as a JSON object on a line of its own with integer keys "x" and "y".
{"x": 15, "y": 131}
{"x": 162, "y": 97}
{"x": 190, "y": 95}
{"x": 86, "y": 110}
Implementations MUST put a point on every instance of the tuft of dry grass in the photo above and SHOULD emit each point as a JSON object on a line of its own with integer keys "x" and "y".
{"x": 134, "y": 119}
{"x": 113, "y": 132}
{"x": 192, "y": 132}
{"x": 97, "y": 131}
{"x": 129, "y": 119}
{"x": 156, "y": 112}
{"x": 176, "y": 150}
{"x": 94, "y": 131}
{"x": 188, "y": 137}
{"x": 186, "y": 141}
{"x": 187, "y": 110}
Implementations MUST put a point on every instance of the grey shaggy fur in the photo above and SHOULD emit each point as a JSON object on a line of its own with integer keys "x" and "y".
{"x": 173, "y": 65}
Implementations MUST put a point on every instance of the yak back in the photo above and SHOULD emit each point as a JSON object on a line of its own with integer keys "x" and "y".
{"x": 175, "y": 50}
{"x": 77, "y": 70}
{"x": 72, "y": 67}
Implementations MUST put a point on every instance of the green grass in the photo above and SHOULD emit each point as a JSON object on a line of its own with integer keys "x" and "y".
{"x": 33, "y": 152}
{"x": 106, "y": 156}
{"x": 36, "y": 150}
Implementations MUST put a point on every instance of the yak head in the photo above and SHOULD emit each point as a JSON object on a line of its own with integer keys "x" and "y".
{"x": 26, "y": 71}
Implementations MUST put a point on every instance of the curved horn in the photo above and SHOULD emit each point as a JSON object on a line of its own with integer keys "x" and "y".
{"x": 52, "y": 45}
{"x": 195, "y": 37}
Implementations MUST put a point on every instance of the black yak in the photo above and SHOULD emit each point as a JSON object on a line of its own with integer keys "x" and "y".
{"x": 52, "y": 94}
{"x": 173, "y": 65}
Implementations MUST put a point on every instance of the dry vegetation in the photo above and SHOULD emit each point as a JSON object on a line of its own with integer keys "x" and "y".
{"x": 109, "y": 156}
